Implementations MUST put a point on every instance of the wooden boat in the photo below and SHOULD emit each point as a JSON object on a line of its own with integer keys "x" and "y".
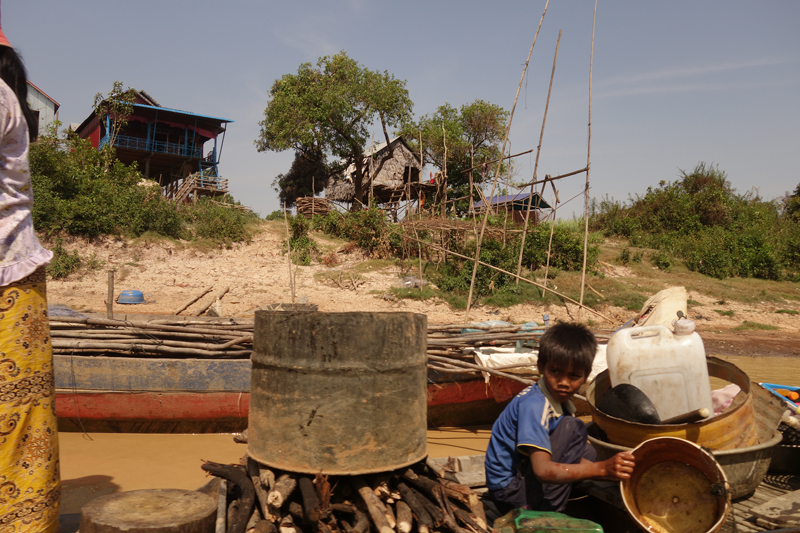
{"x": 155, "y": 395}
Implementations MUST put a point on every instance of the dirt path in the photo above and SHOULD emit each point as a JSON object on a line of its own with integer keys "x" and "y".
{"x": 170, "y": 273}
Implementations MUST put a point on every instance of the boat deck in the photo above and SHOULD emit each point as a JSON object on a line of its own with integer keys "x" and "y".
{"x": 740, "y": 519}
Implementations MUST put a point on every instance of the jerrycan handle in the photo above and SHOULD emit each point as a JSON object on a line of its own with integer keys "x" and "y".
{"x": 646, "y": 332}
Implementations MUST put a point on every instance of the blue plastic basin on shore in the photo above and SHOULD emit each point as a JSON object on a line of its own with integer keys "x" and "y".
{"x": 130, "y": 297}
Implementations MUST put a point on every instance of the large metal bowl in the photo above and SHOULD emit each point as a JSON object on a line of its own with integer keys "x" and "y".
{"x": 744, "y": 467}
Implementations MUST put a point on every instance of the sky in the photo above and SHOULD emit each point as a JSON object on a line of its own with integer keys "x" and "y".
{"x": 673, "y": 83}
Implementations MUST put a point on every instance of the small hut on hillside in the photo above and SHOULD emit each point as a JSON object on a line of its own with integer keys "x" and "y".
{"x": 396, "y": 180}
{"x": 516, "y": 204}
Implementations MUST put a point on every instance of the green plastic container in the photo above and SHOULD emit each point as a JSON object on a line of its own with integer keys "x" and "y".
{"x": 525, "y": 521}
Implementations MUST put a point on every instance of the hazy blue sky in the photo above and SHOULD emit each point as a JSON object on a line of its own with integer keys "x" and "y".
{"x": 675, "y": 83}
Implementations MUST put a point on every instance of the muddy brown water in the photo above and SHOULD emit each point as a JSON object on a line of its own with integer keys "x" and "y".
{"x": 96, "y": 464}
{"x": 103, "y": 463}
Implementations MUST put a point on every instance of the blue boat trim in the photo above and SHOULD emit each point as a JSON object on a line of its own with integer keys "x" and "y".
{"x": 138, "y": 374}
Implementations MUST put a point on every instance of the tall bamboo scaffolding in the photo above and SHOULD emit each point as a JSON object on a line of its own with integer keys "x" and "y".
{"x": 500, "y": 163}
{"x": 536, "y": 164}
{"x": 588, "y": 161}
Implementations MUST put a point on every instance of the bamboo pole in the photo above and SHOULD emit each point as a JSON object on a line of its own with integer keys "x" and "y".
{"x": 561, "y": 176}
{"x": 288, "y": 250}
{"x": 471, "y": 199}
{"x": 371, "y": 170}
{"x": 216, "y": 297}
{"x": 190, "y": 301}
{"x": 536, "y": 164}
{"x": 588, "y": 161}
{"x": 552, "y": 230}
{"x": 473, "y": 167}
{"x": 444, "y": 174}
{"x": 500, "y": 164}
{"x": 515, "y": 276}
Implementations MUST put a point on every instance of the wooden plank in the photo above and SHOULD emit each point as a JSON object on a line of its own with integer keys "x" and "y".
{"x": 139, "y": 374}
{"x": 783, "y": 510}
{"x": 122, "y": 406}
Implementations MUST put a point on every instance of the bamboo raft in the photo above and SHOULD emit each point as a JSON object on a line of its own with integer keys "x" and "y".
{"x": 232, "y": 338}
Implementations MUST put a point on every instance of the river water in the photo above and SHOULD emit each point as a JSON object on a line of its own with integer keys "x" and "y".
{"x": 102, "y": 463}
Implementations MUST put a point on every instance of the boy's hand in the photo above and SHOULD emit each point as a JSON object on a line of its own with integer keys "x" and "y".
{"x": 619, "y": 467}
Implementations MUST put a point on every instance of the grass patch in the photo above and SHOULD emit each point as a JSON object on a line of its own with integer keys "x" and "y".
{"x": 723, "y": 312}
{"x": 205, "y": 246}
{"x": 632, "y": 301}
{"x": 692, "y": 302}
{"x": 414, "y": 293}
{"x": 372, "y": 265}
{"x": 67, "y": 262}
{"x": 747, "y": 325}
{"x": 787, "y": 312}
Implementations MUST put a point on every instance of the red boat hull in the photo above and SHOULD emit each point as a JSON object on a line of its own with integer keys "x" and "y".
{"x": 449, "y": 404}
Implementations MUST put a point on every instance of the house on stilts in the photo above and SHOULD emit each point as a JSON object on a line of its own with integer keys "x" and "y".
{"x": 167, "y": 145}
{"x": 392, "y": 177}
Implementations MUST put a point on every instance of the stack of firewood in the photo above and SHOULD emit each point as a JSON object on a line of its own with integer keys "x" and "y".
{"x": 253, "y": 498}
{"x": 309, "y": 206}
{"x": 173, "y": 337}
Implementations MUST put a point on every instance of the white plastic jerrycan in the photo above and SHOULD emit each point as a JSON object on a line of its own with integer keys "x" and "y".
{"x": 670, "y": 368}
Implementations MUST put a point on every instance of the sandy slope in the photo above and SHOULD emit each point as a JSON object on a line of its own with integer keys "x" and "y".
{"x": 169, "y": 274}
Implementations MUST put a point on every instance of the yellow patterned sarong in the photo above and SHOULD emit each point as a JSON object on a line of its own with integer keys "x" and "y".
{"x": 30, "y": 486}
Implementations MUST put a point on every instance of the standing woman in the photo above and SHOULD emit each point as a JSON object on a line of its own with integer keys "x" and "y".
{"x": 30, "y": 486}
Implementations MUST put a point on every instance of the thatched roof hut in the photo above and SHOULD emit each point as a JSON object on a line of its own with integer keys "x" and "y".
{"x": 399, "y": 168}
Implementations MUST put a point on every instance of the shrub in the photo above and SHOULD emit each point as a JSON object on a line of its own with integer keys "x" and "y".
{"x": 661, "y": 260}
{"x": 701, "y": 219}
{"x": 221, "y": 224}
{"x": 65, "y": 262}
{"x": 275, "y": 215}
{"x": 624, "y": 256}
{"x": 303, "y": 247}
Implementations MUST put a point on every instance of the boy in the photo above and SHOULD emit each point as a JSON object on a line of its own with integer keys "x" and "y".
{"x": 538, "y": 448}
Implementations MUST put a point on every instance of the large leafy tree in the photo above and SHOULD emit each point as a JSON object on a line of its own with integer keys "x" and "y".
{"x": 478, "y": 126}
{"x": 792, "y": 204}
{"x": 307, "y": 176}
{"x": 328, "y": 109}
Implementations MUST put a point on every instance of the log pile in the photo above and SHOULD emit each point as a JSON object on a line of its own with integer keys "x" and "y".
{"x": 308, "y": 206}
{"x": 257, "y": 499}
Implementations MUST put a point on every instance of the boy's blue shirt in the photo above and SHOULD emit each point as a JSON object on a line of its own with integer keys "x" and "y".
{"x": 524, "y": 426}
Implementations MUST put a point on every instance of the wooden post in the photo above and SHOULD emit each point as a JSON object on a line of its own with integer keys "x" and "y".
{"x": 588, "y": 160}
{"x": 371, "y": 170}
{"x": 536, "y": 164}
{"x": 444, "y": 174}
{"x": 110, "y": 301}
{"x": 288, "y": 250}
{"x": 552, "y": 229}
{"x": 471, "y": 164}
{"x": 499, "y": 166}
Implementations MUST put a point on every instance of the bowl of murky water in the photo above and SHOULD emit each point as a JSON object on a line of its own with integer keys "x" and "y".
{"x": 676, "y": 487}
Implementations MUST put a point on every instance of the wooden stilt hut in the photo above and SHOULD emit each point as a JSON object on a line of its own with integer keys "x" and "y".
{"x": 396, "y": 176}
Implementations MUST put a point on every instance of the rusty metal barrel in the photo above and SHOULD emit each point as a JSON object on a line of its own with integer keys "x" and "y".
{"x": 338, "y": 393}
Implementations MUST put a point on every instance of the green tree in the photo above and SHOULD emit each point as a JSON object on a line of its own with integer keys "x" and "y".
{"x": 328, "y": 109}
{"x": 478, "y": 126}
{"x": 115, "y": 109}
{"x": 308, "y": 175}
{"x": 791, "y": 205}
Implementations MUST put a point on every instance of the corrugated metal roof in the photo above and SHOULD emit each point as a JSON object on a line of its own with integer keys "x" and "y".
{"x": 43, "y": 94}
{"x": 516, "y": 199}
{"x": 187, "y": 113}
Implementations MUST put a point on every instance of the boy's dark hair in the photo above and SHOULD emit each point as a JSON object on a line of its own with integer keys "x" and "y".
{"x": 12, "y": 71}
{"x": 566, "y": 343}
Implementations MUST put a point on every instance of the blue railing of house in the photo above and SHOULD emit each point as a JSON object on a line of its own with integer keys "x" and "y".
{"x": 161, "y": 147}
